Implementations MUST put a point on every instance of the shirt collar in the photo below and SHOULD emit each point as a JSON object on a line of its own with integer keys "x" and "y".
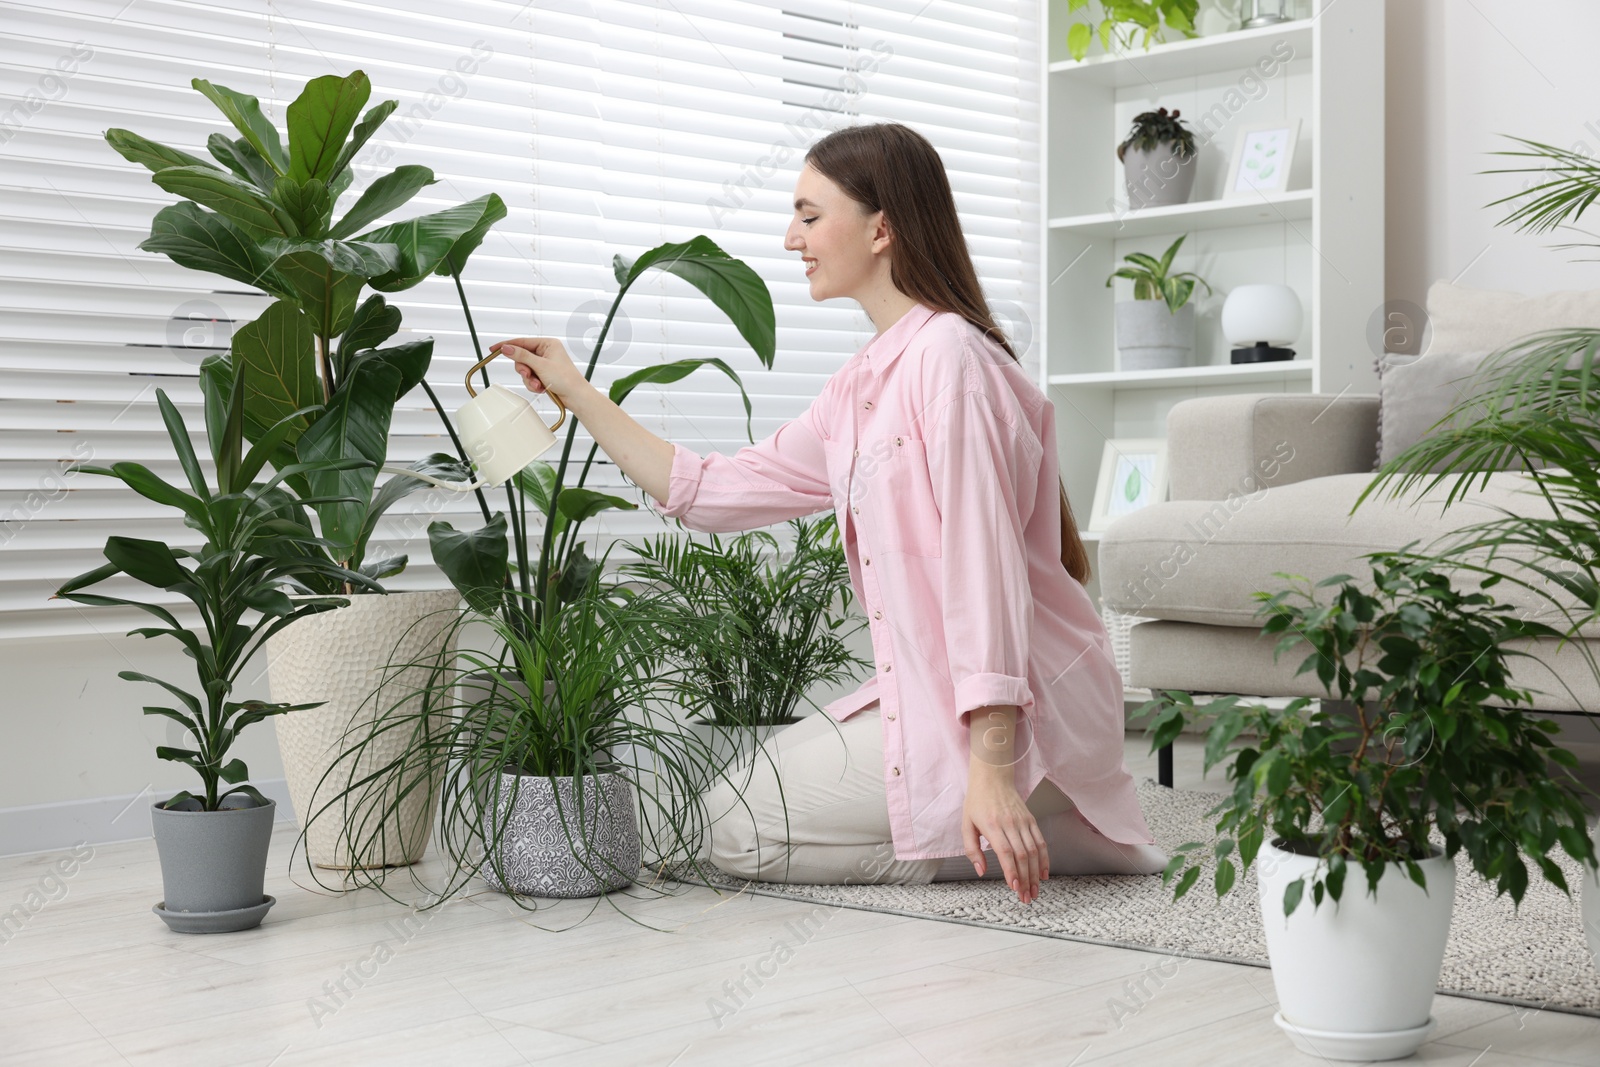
{"x": 883, "y": 349}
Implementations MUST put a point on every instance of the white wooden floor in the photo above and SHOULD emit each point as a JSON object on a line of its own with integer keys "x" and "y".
{"x": 94, "y": 978}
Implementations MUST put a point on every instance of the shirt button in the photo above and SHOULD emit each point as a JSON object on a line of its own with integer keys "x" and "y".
{"x": 897, "y": 770}
{"x": 897, "y": 441}
{"x": 866, "y": 562}
{"x": 855, "y": 509}
{"x": 867, "y": 405}
{"x": 877, "y": 614}
{"x": 891, "y": 718}
{"x": 855, "y": 452}
{"x": 887, "y": 667}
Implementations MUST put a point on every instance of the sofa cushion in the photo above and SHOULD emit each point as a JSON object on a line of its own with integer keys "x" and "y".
{"x": 1200, "y": 561}
{"x": 1482, "y": 320}
{"x": 1414, "y": 396}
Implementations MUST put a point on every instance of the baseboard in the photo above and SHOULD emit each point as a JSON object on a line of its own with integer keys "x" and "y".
{"x": 100, "y": 820}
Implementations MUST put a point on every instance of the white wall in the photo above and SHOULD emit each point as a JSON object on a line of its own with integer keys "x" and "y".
{"x": 1459, "y": 74}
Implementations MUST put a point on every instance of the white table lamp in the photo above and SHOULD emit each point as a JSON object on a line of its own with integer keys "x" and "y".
{"x": 1259, "y": 318}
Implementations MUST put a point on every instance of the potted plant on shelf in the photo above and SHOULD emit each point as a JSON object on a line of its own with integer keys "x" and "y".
{"x": 1158, "y": 159}
{"x": 320, "y": 362}
{"x": 777, "y": 627}
{"x": 1439, "y": 758}
{"x": 213, "y": 846}
{"x": 1156, "y": 328}
{"x": 1122, "y": 20}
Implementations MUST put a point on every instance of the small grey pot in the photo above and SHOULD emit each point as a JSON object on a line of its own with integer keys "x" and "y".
{"x": 213, "y": 864}
{"x": 1156, "y": 177}
{"x": 536, "y": 853}
{"x": 1149, "y": 337}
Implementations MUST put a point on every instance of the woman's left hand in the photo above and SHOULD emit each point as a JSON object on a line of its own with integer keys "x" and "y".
{"x": 994, "y": 809}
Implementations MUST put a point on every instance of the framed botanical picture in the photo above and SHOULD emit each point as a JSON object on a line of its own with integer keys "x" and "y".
{"x": 1133, "y": 473}
{"x": 1262, "y": 155}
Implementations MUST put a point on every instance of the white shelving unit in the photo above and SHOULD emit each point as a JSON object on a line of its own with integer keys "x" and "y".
{"x": 1323, "y": 237}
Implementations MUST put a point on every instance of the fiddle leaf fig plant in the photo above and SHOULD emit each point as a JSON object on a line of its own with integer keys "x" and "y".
{"x": 322, "y": 368}
{"x": 256, "y": 534}
{"x": 1440, "y": 741}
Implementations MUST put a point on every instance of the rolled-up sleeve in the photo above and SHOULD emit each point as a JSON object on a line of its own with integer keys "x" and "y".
{"x": 982, "y": 470}
{"x": 780, "y": 478}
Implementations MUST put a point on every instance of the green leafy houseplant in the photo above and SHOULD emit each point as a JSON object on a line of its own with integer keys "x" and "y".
{"x": 584, "y": 694}
{"x": 318, "y": 360}
{"x": 257, "y": 535}
{"x": 1152, "y": 278}
{"x": 1123, "y": 20}
{"x": 1438, "y": 741}
{"x": 1154, "y": 128}
{"x": 752, "y": 633}
{"x": 493, "y": 566}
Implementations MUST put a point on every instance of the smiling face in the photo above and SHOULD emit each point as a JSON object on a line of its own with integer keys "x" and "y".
{"x": 843, "y": 250}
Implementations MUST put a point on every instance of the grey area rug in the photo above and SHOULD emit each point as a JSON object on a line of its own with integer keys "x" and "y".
{"x": 1535, "y": 956}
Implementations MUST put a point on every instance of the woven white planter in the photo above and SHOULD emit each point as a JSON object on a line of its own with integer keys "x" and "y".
{"x": 343, "y": 657}
{"x": 1355, "y": 980}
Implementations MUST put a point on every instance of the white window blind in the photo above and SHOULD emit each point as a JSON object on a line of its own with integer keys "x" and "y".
{"x": 608, "y": 128}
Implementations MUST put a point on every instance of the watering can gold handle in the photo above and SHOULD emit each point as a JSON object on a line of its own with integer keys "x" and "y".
{"x": 484, "y": 362}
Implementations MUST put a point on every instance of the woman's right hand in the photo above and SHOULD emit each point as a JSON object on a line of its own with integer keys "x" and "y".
{"x": 544, "y": 365}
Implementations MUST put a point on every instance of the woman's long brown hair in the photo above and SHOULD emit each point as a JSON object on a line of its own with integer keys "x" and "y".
{"x": 892, "y": 168}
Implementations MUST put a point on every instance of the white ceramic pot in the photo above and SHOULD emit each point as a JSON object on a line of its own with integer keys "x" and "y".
{"x": 1149, "y": 337}
{"x": 350, "y": 657}
{"x": 1591, "y": 904}
{"x": 1157, "y": 177}
{"x": 1355, "y": 980}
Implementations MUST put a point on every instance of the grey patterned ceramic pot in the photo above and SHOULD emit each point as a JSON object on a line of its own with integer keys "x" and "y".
{"x": 537, "y": 854}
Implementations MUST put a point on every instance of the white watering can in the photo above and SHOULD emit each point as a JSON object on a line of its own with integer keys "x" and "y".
{"x": 500, "y": 432}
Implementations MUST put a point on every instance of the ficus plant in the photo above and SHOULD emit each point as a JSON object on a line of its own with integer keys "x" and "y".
{"x": 322, "y": 373}
{"x": 1154, "y": 279}
{"x": 1439, "y": 742}
{"x": 1124, "y": 20}
{"x": 256, "y": 533}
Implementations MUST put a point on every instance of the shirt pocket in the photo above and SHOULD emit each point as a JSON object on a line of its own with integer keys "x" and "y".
{"x": 894, "y": 491}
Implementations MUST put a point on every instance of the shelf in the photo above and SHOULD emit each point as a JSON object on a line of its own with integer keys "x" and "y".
{"x": 1288, "y": 370}
{"x": 1222, "y": 53}
{"x": 1293, "y": 206}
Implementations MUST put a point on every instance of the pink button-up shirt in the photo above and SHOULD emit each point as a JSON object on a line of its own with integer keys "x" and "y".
{"x": 938, "y": 455}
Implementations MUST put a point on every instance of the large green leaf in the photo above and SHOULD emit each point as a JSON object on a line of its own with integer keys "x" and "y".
{"x": 150, "y": 562}
{"x": 476, "y": 562}
{"x": 147, "y": 153}
{"x": 281, "y": 368}
{"x": 326, "y": 294}
{"x": 411, "y": 359}
{"x": 374, "y": 322}
{"x": 399, "y": 487}
{"x": 376, "y": 115}
{"x": 243, "y": 160}
{"x": 307, "y": 203}
{"x": 152, "y": 486}
{"x": 320, "y": 118}
{"x": 245, "y": 114}
{"x": 671, "y": 372}
{"x": 538, "y": 480}
{"x": 354, "y": 426}
{"x": 731, "y": 285}
{"x": 580, "y": 504}
{"x": 434, "y": 242}
{"x": 382, "y": 197}
{"x": 228, "y": 196}
{"x": 202, "y": 240}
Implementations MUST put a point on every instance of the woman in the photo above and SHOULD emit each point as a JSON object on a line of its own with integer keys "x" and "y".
{"x": 993, "y": 726}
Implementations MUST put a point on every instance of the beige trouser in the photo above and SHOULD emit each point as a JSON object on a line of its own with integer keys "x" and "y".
{"x": 829, "y": 776}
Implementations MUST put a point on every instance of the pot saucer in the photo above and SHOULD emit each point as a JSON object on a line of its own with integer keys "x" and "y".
{"x": 214, "y": 922}
{"x": 1359, "y": 1046}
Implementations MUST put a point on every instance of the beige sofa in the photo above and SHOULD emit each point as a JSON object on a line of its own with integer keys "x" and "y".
{"x": 1263, "y": 483}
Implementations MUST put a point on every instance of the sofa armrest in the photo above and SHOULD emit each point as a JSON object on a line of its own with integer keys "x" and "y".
{"x": 1219, "y": 445}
